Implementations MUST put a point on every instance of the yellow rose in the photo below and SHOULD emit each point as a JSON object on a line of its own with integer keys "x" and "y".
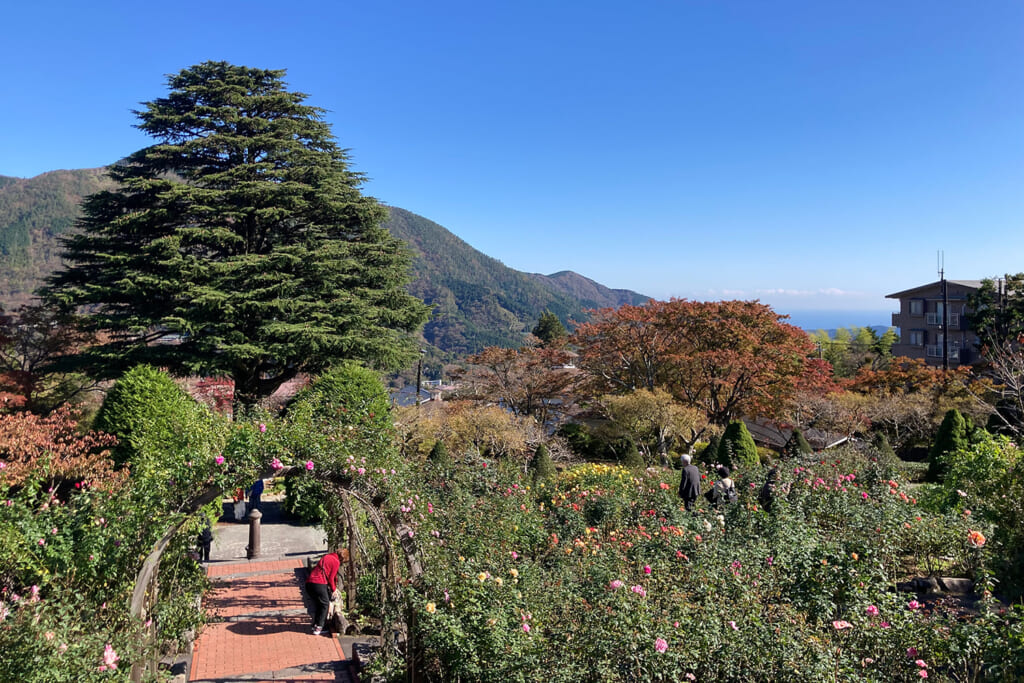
{"x": 498, "y": 581}
{"x": 482, "y": 576}
{"x": 431, "y": 608}
{"x": 514, "y": 572}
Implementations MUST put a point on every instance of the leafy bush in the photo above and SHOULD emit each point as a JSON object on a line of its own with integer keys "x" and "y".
{"x": 632, "y": 459}
{"x": 146, "y": 411}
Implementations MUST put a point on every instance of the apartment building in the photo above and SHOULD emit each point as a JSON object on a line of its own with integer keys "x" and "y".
{"x": 930, "y": 320}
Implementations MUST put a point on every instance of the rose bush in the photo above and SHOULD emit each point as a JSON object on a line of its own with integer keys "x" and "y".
{"x": 606, "y": 577}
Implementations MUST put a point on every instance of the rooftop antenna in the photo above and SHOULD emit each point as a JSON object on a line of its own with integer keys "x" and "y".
{"x": 944, "y": 315}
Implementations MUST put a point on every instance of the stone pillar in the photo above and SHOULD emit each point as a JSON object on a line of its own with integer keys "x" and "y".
{"x": 253, "y": 549}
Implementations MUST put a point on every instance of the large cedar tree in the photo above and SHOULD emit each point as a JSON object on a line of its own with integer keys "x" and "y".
{"x": 238, "y": 244}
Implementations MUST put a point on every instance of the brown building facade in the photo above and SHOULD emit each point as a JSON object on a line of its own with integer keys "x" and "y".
{"x": 924, "y": 328}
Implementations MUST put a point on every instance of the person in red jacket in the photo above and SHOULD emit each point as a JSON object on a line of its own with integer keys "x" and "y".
{"x": 321, "y": 585}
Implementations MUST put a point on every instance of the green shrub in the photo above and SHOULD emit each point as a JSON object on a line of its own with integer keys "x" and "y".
{"x": 581, "y": 440}
{"x": 541, "y": 466}
{"x": 737, "y": 447}
{"x": 350, "y": 394}
{"x": 797, "y": 445}
{"x": 147, "y": 411}
{"x": 632, "y": 459}
{"x": 709, "y": 454}
{"x": 951, "y": 438}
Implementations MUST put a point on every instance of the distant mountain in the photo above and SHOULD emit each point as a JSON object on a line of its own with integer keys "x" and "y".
{"x": 34, "y": 212}
{"x": 481, "y": 302}
{"x": 478, "y": 301}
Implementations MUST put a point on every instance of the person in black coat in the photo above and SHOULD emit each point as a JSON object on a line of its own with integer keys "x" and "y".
{"x": 767, "y": 495}
{"x": 205, "y": 541}
{"x": 689, "y": 485}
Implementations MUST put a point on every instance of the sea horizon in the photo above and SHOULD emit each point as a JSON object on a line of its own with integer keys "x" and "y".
{"x": 812, "y": 320}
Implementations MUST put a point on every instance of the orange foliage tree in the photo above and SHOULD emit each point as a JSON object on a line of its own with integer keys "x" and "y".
{"x": 533, "y": 380}
{"x": 725, "y": 358}
{"x": 907, "y": 399}
{"x": 50, "y": 449}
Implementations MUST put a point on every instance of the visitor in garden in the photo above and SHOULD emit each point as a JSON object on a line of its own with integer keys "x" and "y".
{"x": 689, "y": 485}
{"x": 321, "y": 586}
{"x": 238, "y": 500}
{"x": 205, "y": 541}
{"x": 255, "y": 492}
{"x": 724, "y": 490}
{"x": 766, "y": 498}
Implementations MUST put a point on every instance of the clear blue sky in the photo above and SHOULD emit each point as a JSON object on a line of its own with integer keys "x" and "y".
{"x": 812, "y": 154}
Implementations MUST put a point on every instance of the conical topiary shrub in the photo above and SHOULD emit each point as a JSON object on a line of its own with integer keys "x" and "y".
{"x": 951, "y": 437}
{"x": 797, "y": 445}
{"x": 880, "y": 442}
{"x": 541, "y": 465}
{"x": 439, "y": 454}
{"x": 709, "y": 455}
{"x": 633, "y": 460}
{"x": 737, "y": 447}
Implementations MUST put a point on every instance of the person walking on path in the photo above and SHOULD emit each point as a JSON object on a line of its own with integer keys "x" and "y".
{"x": 255, "y": 492}
{"x": 205, "y": 541}
{"x": 320, "y": 586}
{"x": 689, "y": 485}
{"x": 767, "y": 495}
{"x": 724, "y": 490}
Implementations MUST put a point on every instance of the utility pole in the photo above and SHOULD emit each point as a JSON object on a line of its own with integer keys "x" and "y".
{"x": 944, "y": 318}
{"x": 419, "y": 376}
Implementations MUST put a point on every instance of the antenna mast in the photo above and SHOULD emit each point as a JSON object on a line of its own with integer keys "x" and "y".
{"x": 944, "y": 316}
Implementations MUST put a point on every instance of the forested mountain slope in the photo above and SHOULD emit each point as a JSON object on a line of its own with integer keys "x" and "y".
{"x": 478, "y": 301}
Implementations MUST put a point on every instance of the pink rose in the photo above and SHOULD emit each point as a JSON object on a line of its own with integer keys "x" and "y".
{"x": 647, "y": 569}
{"x": 309, "y": 465}
{"x": 660, "y": 645}
{"x": 219, "y": 460}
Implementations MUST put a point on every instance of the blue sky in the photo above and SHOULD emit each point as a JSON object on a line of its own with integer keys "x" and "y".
{"x": 814, "y": 155}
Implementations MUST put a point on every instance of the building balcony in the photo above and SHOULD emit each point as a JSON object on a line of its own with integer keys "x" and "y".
{"x": 952, "y": 321}
{"x": 935, "y": 351}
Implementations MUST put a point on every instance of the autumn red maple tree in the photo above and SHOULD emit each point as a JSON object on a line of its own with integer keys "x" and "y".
{"x": 725, "y": 358}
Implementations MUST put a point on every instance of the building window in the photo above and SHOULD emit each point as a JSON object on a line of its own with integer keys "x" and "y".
{"x": 917, "y": 338}
{"x": 917, "y": 307}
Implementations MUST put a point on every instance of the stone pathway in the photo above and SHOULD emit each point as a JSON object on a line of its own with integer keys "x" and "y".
{"x": 260, "y": 623}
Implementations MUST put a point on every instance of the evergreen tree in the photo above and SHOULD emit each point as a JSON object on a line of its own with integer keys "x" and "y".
{"x": 541, "y": 465}
{"x": 797, "y": 444}
{"x": 439, "y": 454}
{"x": 710, "y": 453}
{"x": 238, "y": 244}
{"x": 737, "y": 446}
{"x": 550, "y": 329}
{"x": 632, "y": 459}
{"x": 881, "y": 443}
{"x": 952, "y": 437}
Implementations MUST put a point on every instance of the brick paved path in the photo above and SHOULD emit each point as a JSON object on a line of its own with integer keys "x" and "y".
{"x": 261, "y": 629}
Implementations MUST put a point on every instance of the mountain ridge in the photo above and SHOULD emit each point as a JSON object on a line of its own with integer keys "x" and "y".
{"x": 478, "y": 301}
